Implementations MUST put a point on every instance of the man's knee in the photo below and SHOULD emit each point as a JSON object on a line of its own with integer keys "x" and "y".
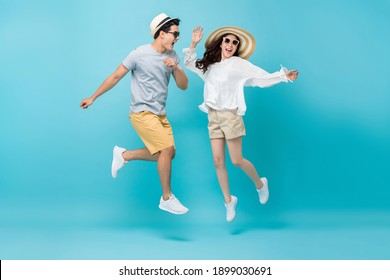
{"x": 169, "y": 152}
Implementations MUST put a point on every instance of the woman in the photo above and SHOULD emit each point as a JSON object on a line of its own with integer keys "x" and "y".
{"x": 225, "y": 72}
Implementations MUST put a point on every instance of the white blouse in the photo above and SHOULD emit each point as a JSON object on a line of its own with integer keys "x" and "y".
{"x": 224, "y": 81}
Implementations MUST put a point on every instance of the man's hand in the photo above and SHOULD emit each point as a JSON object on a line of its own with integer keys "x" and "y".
{"x": 86, "y": 102}
{"x": 170, "y": 63}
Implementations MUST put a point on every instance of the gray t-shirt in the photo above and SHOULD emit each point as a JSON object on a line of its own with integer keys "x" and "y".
{"x": 149, "y": 78}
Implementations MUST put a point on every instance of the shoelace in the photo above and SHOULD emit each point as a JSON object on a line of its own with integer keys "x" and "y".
{"x": 174, "y": 199}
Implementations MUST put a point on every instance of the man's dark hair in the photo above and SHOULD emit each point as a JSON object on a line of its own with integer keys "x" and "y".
{"x": 167, "y": 27}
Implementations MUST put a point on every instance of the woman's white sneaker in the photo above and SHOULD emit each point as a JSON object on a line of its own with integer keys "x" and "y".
{"x": 263, "y": 192}
{"x": 231, "y": 209}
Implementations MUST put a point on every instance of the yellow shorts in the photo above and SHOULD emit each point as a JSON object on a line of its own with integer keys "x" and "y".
{"x": 155, "y": 131}
{"x": 225, "y": 124}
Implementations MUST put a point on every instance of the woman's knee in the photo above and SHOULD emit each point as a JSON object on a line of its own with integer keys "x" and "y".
{"x": 237, "y": 161}
{"x": 219, "y": 162}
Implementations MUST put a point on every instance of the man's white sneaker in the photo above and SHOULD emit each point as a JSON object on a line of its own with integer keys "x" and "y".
{"x": 263, "y": 192}
{"x": 117, "y": 161}
{"x": 172, "y": 205}
{"x": 231, "y": 209}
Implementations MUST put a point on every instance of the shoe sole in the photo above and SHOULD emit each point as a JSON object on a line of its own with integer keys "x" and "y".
{"x": 114, "y": 175}
{"x": 171, "y": 211}
{"x": 112, "y": 164}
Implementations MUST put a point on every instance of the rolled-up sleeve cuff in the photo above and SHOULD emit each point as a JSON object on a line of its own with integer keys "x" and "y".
{"x": 283, "y": 71}
{"x": 190, "y": 54}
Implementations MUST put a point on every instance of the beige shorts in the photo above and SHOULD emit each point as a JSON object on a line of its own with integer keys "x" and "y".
{"x": 225, "y": 124}
{"x": 155, "y": 131}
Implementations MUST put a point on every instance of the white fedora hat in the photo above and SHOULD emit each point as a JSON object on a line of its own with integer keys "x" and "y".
{"x": 159, "y": 21}
{"x": 247, "y": 41}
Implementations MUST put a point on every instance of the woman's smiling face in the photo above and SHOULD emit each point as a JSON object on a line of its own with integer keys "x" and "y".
{"x": 229, "y": 46}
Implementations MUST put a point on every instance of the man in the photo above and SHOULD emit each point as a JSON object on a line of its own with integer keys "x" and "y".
{"x": 151, "y": 66}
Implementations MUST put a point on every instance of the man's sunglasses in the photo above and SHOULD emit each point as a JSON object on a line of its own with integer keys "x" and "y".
{"x": 174, "y": 33}
{"x": 227, "y": 41}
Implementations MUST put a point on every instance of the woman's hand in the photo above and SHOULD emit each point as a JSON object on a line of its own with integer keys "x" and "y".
{"x": 197, "y": 35}
{"x": 292, "y": 75}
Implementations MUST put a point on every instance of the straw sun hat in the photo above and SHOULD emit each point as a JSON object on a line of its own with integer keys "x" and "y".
{"x": 159, "y": 21}
{"x": 247, "y": 41}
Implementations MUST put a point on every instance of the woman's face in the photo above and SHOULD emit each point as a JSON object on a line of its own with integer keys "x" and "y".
{"x": 229, "y": 46}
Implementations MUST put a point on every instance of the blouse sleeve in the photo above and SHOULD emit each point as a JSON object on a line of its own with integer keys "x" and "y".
{"x": 189, "y": 61}
{"x": 258, "y": 77}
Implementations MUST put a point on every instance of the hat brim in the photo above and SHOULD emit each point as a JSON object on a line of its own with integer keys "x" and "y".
{"x": 153, "y": 32}
{"x": 247, "y": 41}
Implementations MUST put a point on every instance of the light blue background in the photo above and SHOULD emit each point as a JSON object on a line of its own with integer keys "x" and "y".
{"x": 323, "y": 142}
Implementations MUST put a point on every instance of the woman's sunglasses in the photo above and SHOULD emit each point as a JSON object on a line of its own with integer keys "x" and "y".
{"x": 227, "y": 41}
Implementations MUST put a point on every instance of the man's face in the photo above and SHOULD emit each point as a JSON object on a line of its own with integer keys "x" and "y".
{"x": 171, "y": 37}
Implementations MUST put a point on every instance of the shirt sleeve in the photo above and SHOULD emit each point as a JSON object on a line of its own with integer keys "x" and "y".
{"x": 258, "y": 77}
{"x": 176, "y": 58}
{"x": 189, "y": 61}
{"x": 130, "y": 61}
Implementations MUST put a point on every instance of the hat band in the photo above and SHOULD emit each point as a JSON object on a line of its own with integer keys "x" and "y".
{"x": 163, "y": 21}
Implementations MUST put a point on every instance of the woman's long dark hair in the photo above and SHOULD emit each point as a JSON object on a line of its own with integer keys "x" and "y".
{"x": 213, "y": 53}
